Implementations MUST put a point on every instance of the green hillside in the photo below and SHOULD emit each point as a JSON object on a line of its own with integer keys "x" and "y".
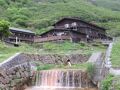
{"x": 110, "y": 4}
{"x": 113, "y": 5}
{"x": 39, "y": 15}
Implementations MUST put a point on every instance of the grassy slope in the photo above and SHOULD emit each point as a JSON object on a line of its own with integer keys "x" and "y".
{"x": 110, "y": 4}
{"x": 116, "y": 54}
{"x": 49, "y": 48}
{"x": 82, "y": 66}
{"x": 7, "y": 51}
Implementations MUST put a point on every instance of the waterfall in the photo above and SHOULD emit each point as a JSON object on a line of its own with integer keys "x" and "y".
{"x": 62, "y": 80}
{"x": 59, "y": 78}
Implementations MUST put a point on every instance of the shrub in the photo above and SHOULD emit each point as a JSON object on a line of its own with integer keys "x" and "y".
{"x": 4, "y": 29}
{"x": 90, "y": 70}
{"x": 45, "y": 67}
{"x": 107, "y": 83}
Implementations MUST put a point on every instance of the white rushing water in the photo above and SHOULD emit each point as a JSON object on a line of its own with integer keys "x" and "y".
{"x": 48, "y": 88}
{"x": 61, "y": 80}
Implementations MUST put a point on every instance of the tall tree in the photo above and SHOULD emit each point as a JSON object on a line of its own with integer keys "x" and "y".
{"x": 4, "y": 29}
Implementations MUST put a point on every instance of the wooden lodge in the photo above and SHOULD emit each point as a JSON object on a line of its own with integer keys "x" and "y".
{"x": 61, "y": 34}
{"x": 75, "y": 30}
{"x": 72, "y": 29}
{"x": 21, "y": 35}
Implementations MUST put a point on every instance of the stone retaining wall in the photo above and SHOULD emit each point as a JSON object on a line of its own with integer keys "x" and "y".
{"x": 58, "y": 59}
{"x": 16, "y": 71}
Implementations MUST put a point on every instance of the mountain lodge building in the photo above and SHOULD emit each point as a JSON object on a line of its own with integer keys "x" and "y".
{"x": 21, "y": 35}
{"x": 72, "y": 29}
{"x": 75, "y": 30}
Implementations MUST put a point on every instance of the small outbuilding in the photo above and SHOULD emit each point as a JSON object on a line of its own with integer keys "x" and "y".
{"x": 21, "y": 35}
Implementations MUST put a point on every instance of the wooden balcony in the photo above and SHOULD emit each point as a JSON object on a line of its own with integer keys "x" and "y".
{"x": 22, "y": 38}
{"x": 51, "y": 38}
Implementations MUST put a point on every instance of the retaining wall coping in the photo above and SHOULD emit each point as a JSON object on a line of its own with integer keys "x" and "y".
{"x": 9, "y": 59}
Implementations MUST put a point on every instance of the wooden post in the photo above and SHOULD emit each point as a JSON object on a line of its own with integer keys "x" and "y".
{"x": 16, "y": 40}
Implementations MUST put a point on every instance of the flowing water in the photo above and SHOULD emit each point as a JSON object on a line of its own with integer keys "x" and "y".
{"x": 39, "y": 88}
{"x": 62, "y": 80}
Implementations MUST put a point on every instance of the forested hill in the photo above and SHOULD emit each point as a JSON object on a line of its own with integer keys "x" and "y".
{"x": 110, "y": 4}
{"x": 39, "y": 15}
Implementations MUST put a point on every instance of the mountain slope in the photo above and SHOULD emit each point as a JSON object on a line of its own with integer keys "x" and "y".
{"x": 110, "y": 4}
{"x": 39, "y": 15}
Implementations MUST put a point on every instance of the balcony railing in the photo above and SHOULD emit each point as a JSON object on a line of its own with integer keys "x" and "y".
{"x": 51, "y": 38}
{"x": 22, "y": 38}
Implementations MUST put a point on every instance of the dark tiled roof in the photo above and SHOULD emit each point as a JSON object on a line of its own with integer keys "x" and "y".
{"x": 21, "y": 30}
{"x": 81, "y": 21}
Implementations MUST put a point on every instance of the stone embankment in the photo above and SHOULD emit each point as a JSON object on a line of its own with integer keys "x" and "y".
{"x": 17, "y": 71}
{"x": 14, "y": 73}
{"x": 58, "y": 59}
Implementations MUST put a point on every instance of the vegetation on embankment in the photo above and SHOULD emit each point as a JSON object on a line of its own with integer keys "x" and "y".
{"x": 7, "y": 51}
{"x": 115, "y": 57}
{"x": 111, "y": 83}
{"x": 39, "y": 15}
{"x": 116, "y": 83}
{"x": 82, "y": 66}
{"x": 107, "y": 82}
{"x": 73, "y": 48}
{"x": 50, "y": 48}
{"x": 89, "y": 67}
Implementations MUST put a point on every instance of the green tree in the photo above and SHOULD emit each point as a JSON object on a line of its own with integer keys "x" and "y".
{"x": 4, "y": 29}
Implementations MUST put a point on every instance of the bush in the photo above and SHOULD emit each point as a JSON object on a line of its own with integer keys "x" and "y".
{"x": 90, "y": 70}
{"x": 21, "y": 22}
{"x": 45, "y": 67}
{"x": 4, "y": 29}
{"x": 107, "y": 83}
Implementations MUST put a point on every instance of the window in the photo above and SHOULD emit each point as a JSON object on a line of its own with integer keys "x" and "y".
{"x": 67, "y": 25}
{"x": 74, "y": 24}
